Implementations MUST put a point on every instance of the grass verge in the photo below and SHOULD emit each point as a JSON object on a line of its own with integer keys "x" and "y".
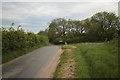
{"x": 96, "y": 60}
{"x": 63, "y": 60}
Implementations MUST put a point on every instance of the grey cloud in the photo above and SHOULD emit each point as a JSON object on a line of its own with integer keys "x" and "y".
{"x": 36, "y": 16}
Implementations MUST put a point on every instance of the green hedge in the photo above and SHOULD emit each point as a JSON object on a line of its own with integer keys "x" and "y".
{"x": 15, "y": 40}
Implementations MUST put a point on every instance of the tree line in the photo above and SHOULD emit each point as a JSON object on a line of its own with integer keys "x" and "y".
{"x": 18, "y": 39}
{"x": 102, "y": 26}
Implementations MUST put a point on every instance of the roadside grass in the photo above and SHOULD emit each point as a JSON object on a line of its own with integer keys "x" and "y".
{"x": 10, "y": 55}
{"x": 63, "y": 60}
{"x": 65, "y": 46}
{"x": 96, "y": 60}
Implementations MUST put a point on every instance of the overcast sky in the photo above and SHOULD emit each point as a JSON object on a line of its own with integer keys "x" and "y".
{"x": 36, "y": 16}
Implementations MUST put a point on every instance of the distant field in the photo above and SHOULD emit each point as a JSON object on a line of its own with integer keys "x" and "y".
{"x": 92, "y": 60}
{"x": 96, "y": 60}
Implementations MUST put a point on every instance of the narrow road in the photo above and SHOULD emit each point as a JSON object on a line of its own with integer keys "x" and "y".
{"x": 35, "y": 64}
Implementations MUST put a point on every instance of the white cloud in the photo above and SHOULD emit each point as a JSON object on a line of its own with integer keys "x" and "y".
{"x": 34, "y": 13}
{"x": 46, "y": 10}
{"x": 21, "y": 11}
{"x": 60, "y": 0}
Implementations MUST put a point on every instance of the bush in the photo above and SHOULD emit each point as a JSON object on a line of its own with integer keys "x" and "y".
{"x": 19, "y": 42}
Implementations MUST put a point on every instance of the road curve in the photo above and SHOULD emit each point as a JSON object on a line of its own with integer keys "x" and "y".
{"x": 32, "y": 65}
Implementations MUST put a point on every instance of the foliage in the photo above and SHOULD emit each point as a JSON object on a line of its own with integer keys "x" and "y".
{"x": 102, "y": 26}
{"x": 14, "y": 40}
{"x": 42, "y": 32}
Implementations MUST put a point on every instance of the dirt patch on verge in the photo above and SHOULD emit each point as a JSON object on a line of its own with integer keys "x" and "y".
{"x": 68, "y": 68}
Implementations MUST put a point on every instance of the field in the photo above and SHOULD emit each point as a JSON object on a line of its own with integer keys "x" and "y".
{"x": 95, "y": 60}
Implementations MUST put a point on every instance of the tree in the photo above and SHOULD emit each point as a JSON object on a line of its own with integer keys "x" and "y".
{"x": 42, "y": 33}
{"x": 102, "y": 26}
{"x": 57, "y": 29}
{"x": 106, "y": 24}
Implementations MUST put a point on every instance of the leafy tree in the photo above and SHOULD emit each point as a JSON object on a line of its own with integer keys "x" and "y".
{"x": 102, "y": 26}
{"x": 106, "y": 24}
{"x": 57, "y": 29}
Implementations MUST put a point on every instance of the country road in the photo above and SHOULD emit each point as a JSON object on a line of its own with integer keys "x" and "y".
{"x": 39, "y": 63}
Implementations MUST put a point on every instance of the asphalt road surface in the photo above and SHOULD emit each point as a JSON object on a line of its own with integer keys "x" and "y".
{"x": 32, "y": 65}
